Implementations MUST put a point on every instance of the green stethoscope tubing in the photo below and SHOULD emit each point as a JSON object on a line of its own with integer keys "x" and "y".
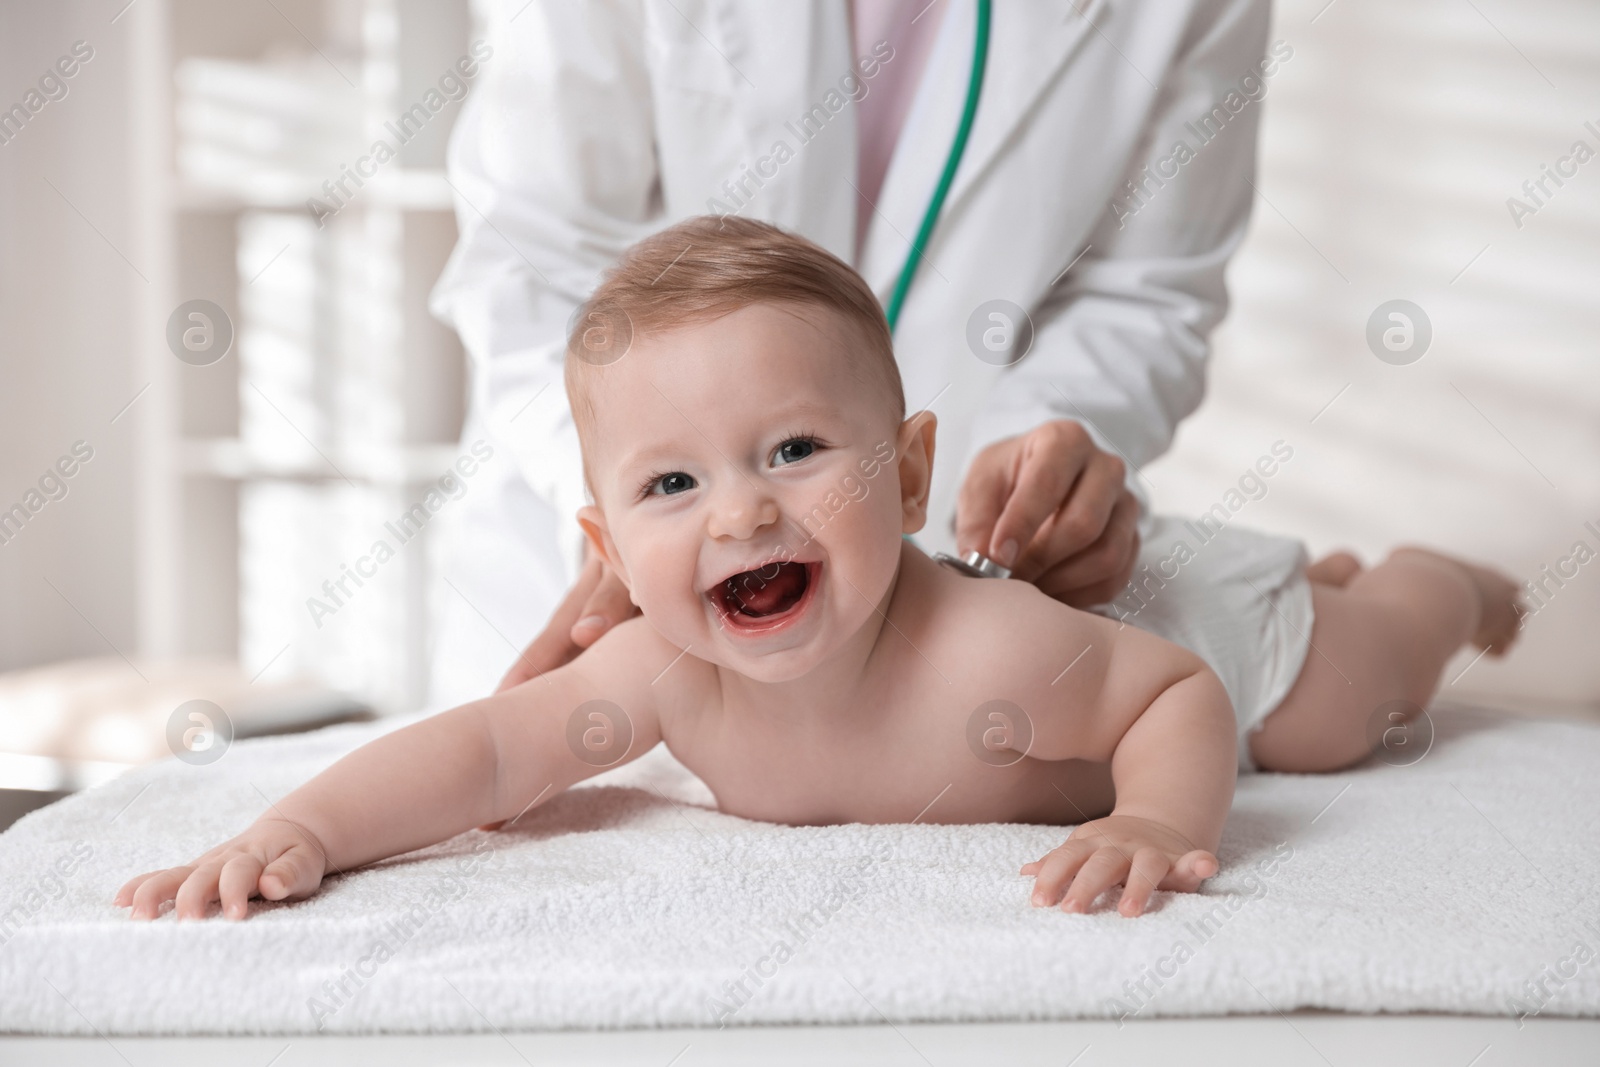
{"x": 980, "y": 60}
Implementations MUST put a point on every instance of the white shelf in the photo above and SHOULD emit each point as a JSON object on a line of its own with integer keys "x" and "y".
{"x": 411, "y": 189}
{"x": 336, "y": 332}
{"x": 45, "y": 774}
{"x": 232, "y": 459}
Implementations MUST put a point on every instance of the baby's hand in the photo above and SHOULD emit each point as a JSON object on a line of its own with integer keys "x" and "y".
{"x": 273, "y": 859}
{"x": 1142, "y": 854}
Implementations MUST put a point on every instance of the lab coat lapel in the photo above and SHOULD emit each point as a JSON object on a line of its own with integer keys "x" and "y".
{"x": 786, "y": 59}
{"x": 1029, "y": 44}
{"x": 1044, "y": 37}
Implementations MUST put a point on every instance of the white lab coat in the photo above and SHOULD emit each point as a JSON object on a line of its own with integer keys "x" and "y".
{"x": 596, "y": 123}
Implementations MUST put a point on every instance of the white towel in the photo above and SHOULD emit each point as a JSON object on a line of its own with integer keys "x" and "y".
{"x": 1464, "y": 883}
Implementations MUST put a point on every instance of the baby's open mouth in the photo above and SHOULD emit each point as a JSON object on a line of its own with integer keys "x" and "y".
{"x": 764, "y": 592}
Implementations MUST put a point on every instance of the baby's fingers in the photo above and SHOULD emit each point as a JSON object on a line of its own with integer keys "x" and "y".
{"x": 1103, "y": 870}
{"x": 156, "y": 889}
{"x": 237, "y": 884}
{"x": 1149, "y": 867}
{"x": 1191, "y": 869}
{"x": 197, "y": 892}
{"x": 1055, "y": 870}
{"x": 294, "y": 874}
{"x": 124, "y": 897}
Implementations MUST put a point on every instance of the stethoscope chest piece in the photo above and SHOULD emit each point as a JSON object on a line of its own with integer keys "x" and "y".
{"x": 974, "y": 564}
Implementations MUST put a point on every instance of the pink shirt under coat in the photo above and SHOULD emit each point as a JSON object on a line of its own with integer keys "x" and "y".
{"x": 909, "y": 26}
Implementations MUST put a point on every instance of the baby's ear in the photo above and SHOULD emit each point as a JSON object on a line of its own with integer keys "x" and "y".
{"x": 916, "y": 469}
{"x": 593, "y": 521}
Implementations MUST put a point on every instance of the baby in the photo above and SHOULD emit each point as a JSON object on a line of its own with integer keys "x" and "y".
{"x": 753, "y": 472}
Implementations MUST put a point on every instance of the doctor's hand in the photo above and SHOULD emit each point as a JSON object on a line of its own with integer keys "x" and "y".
{"x": 1051, "y": 506}
{"x": 595, "y": 603}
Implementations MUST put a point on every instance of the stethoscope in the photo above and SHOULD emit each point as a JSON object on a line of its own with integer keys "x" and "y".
{"x": 974, "y": 563}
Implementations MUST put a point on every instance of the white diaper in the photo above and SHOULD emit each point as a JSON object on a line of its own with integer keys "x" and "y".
{"x": 1238, "y": 599}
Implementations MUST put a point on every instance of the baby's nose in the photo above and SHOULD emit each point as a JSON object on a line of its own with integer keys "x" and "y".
{"x": 740, "y": 511}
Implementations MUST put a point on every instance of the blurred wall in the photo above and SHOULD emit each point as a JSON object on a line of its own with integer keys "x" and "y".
{"x": 70, "y": 265}
{"x": 1392, "y": 141}
{"x": 112, "y": 214}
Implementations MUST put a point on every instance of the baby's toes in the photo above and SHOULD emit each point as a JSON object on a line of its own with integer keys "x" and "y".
{"x": 1336, "y": 569}
{"x": 1503, "y": 628}
{"x": 1500, "y": 609}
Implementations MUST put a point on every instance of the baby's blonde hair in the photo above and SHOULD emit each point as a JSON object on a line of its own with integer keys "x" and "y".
{"x": 709, "y": 266}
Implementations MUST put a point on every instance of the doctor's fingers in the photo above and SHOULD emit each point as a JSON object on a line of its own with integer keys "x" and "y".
{"x": 983, "y": 495}
{"x": 1098, "y": 574}
{"x": 608, "y": 605}
{"x": 1050, "y": 470}
{"x": 1081, "y": 519}
{"x": 1014, "y": 485}
{"x": 553, "y": 646}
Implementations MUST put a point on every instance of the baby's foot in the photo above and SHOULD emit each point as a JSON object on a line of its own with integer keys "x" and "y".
{"x": 1336, "y": 569}
{"x": 1501, "y": 609}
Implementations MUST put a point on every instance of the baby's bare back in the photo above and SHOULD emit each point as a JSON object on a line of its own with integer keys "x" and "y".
{"x": 937, "y": 730}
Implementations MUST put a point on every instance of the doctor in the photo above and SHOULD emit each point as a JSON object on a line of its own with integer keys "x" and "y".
{"x": 1056, "y": 322}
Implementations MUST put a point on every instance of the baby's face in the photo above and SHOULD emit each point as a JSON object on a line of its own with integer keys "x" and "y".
{"x": 748, "y": 488}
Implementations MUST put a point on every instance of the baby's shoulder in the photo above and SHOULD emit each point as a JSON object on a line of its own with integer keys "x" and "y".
{"x": 1014, "y": 615}
{"x": 633, "y": 657}
{"x": 1006, "y": 625}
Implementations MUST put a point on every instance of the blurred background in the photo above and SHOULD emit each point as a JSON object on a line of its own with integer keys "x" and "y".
{"x": 210, "y": 497}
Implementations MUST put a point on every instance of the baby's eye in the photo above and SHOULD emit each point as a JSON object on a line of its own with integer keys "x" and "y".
{"x": 670, "y": 484}
{"x": 793, "y": 450}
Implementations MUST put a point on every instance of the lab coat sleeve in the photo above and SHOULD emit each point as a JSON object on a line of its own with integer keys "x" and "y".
{"x": 1120, "y": 341}
{"x": 553, "y": 171}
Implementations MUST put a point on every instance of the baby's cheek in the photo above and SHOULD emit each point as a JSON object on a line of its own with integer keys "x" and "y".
{"x": 864, "y": 541}
{"x": 671, "y": 603}
{"x": 654, "y": 580}
{"x": 878, "y": 520}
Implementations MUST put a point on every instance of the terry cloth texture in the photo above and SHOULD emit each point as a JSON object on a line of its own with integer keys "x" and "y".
{"x": 1462, "y": 883}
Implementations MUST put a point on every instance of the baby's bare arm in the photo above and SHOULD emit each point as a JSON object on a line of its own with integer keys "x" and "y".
{"x": 486, "y": 761}
{"x": 1163, "y": 721}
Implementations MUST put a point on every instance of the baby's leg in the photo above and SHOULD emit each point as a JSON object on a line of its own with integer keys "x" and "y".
{"x": 1384, "y": 635}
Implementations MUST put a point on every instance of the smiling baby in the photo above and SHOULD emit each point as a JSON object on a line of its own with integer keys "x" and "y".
{"x": 753, "y": 471}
